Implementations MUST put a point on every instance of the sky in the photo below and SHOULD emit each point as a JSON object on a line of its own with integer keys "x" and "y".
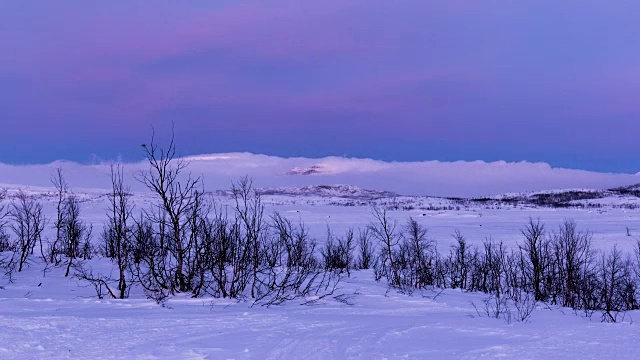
{"x": 403, "y": 80}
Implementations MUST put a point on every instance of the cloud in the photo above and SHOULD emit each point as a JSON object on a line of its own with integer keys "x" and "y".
{"x": 436, "y": 178}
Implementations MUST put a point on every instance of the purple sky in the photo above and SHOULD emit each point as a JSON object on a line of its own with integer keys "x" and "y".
{"x": 554, "y": 81}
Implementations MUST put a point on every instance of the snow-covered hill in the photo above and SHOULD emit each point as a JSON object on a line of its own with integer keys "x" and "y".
{"x": 625, "y": 196}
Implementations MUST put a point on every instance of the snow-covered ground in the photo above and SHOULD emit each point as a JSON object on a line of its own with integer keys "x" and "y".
{"x": 45, "y": 315}
{"x": 53, "y": 318}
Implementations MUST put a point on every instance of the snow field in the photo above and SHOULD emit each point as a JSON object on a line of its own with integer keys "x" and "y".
{"x": 48, "y": 316}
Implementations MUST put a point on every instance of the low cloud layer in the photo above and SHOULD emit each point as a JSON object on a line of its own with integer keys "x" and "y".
{"x": 462, "y": 179}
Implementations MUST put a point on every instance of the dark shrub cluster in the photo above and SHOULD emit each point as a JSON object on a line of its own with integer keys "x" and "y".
{"x": 558, "y": 267}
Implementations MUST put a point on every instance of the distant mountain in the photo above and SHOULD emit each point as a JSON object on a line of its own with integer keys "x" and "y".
{"x": 327, "y": 191}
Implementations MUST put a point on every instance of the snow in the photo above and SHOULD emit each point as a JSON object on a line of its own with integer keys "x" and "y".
{"x": 52, "y": 321}
{"x": 45, "y": 315}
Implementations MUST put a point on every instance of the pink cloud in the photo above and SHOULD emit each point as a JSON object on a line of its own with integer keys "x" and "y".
{"x": 282, "y": 29}
{"x": 115, "y": 39}
{"x": 388, "y": 94}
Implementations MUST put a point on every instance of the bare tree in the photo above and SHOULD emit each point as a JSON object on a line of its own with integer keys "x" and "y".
{"x": 62, "y": 190}
{"x": 617, "y": 286}
{"x": 76, "y": 234}
{"x": 5, "y": 241}
{"x": 149, "y": 255}
{"x": 347, "y": 245}
{"x": 196, "y": 241}
{"x": 636, "y": 273}
{"x": 384, "y": 230}
{"x": 418, "y": 250}
{"x": 461, "y": 260}
{"x": 330, "y": 253}
{"x": 6, "y": 262}
{"x": 176, "y": 195}
{"x": 366, "y": 249}
{"x": 118, "y": 232}
{"x": 249, "y": 210}
{"x": 574, "y": 261}
{"x": 536, "y": 257}
{"x": 28, "y": 223}
{"x": 227, "y": 256}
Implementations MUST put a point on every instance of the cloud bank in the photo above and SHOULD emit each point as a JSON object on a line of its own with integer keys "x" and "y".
{"x": 436, "y": 178}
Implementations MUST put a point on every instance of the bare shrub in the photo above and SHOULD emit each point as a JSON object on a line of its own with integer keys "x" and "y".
{"x": 249, "y": 211}
{"x": 337, "y": 253}
{"x": 102, "y": 284}
{"x": 117, "y": 233}
{"x": 495, "y": 307}
{"x": 460, "y": 261}
{"x": 6, "y": 262}
{"x": 536, "y": 258}
{"x": 76, "y": 234}
{"x": 28, "y": 223}
{"x": 525, "y": 303}
{"x": 292, "y": 270}
{"x": 384, "y": 230}
{"x": 5, "y": 240}
{"x": 228, "y": 256}
{"x": 61, "y": 193}
{"x": 415, "y": 257}
{"x": 366, "y": 249}
{"x": 574, "y": 261}
{"x": 617, "y": 292}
